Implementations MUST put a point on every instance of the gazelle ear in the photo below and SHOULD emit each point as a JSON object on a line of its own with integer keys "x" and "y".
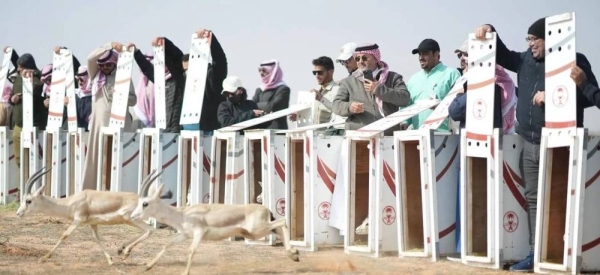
{"x": 39, "y": 191}
{"x": 156, "y": 193}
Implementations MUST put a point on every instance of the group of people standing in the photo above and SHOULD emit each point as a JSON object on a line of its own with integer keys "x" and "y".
{"x": 369, "y": 92}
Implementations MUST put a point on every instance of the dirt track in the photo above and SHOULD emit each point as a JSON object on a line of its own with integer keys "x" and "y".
{"x": 24, "y": 241}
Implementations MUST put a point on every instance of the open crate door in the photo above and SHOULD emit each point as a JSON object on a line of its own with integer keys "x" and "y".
{"x": 357, "y": 195}
{"x": 311, "y": 170}
{"x": 30, "y": 148}
{"x": 192, "y": 164}
{"x": 158, "y": 151}
{"x": 303, "y": 107}
{"x": 258, "y": 162}
{"x": 412, "y": 195}
{"x": 226, "y": 175}
{"x": 75, "y": 151}
{"x": 477, "y": 200}
{"x": 118, "y": 160}
{"x": 31, "y": 153}
{"x": 54, "y": 155}
{"x": 374, "y": 175}
{"x": 296, "y": 171}
{"x": 559, "y": 203}
{"x": 9, "y": 184}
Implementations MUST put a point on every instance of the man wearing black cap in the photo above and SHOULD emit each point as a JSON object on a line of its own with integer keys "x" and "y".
{"x": 433, "y": 82}
{"x": 530, "y": 69}
{"x": 22, "y": 64}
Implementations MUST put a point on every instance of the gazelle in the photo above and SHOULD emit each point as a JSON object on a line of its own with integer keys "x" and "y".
{"x": 86, "y": 207}
{"x": 363, "y": 228}
{"x": 211, "y": 222}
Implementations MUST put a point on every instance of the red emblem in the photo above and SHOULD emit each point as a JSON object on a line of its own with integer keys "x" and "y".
{"x": 389, "y": 215}
{"x": 280, "y": 206}
{"x": 560, "y": 96}
{"x": 324, "y": 210}
{"x": 511, "y": 221}
{"x": 479, "y": 109}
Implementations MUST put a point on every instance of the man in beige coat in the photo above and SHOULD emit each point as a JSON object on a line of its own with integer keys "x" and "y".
{"x": 102, "y": 70}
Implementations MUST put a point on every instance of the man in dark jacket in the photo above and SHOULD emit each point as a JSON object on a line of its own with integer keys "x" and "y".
{"x": 26, "y": 64}
{"x": 530, "y": 69}
{"x": 174, "y": 80}
{"x": 217, "y": 71}
{"x": 237, "y": 108}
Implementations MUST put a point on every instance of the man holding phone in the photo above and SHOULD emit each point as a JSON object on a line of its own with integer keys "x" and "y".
{"x": 371, "y": 92}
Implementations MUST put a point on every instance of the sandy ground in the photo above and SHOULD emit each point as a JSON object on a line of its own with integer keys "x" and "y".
{"x": 24, "y": 240}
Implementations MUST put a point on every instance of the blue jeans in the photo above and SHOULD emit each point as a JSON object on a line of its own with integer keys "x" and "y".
{"x": 191, "y": 126}
{"x": 196, "y": 127}
{"x": 458, "y": 214}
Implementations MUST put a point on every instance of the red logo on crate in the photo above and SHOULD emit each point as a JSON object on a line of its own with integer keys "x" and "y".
{"x": 206, "y": 198}
{"x": 324, "y": 210}
{"x": 560, "y": 96}
{"x": 511, "y": 221}
{"x": 389, "y": 215}
{"x": 281, "y": 206}
{"x": 479, "y": 109}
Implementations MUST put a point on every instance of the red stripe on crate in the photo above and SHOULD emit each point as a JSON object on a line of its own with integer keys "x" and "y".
{"x": 513, "y": 187}
{"x": 447, "y": 167}
{"x": 321, "y": 171}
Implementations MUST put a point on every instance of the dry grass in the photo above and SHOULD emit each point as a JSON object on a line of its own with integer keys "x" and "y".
{"x": 24, "y": 241}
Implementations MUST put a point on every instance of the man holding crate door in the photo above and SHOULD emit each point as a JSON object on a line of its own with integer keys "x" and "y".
{"x": 25, "y": 64}
{"x": 530, "y": 69}
{"x": 505, "y": 101}
{"x": 216, "y": 73}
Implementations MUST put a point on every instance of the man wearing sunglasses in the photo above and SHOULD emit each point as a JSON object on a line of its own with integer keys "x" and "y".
{"x": 530, "y": 68}
{"x": 323, "y": 72}
{"x": 346, "y": 57}
{"x": 462, "y": 55}
{"x": 372, "y": 92}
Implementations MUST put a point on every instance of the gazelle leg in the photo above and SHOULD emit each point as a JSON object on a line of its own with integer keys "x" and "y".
{"x": 195, "y": 242}
{"x": 177, "y": 239}
{"x": 283, "y": 233}
{"x": 147, "y": 231}
{"x": 67, "y": 232}
{"x": 95, "y": 233}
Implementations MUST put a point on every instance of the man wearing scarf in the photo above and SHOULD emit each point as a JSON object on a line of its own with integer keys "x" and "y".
{"x": 26, "y": 64}
{"x": 102, "y": 69}
{"x": 364, "y": 101}
{"x": 434, "y": 81}
{"x": 84, "y": 98}
{"x": 143, "y": 111}
{"x": 5, "y": 107}
{"x": 530, "y": 69}
{"x": 174, "y": 86}
{"x": 273, "y": 94}
{"x": 46, "y": 78}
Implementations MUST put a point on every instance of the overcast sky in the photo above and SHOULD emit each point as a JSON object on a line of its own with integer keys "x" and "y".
{"x": 293, "y": 32}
